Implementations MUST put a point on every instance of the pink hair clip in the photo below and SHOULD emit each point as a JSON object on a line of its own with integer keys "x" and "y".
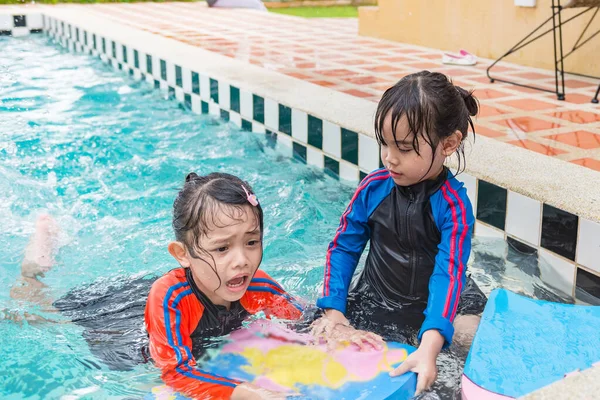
{"x": 251, "y": 197}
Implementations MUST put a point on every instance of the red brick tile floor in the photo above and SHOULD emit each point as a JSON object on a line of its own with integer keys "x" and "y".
{"x": 329, "y": 52}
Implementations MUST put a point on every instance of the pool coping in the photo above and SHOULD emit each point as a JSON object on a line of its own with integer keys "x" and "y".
{"x": 294, "y": 111}
{"x": 555, "y": 182}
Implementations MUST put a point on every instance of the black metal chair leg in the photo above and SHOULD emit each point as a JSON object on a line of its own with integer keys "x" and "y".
{"x": 595, "y": 99}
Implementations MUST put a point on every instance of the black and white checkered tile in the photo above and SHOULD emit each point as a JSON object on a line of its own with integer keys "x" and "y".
{"x": 567, "y": 246}
{"x": 20, "y": 25}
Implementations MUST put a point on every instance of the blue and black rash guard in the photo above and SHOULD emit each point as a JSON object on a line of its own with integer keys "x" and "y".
{"x": 420, "y": 241}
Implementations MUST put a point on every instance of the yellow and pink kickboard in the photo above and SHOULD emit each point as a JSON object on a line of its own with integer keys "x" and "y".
{"x": 276, "y": 359}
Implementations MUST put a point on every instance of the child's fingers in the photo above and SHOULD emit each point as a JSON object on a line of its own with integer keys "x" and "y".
{"x": 319, "y": 327}
{"x": 423, "y": 383}
{"x": 377, "y": 344}
{"x": 402, "y": 368}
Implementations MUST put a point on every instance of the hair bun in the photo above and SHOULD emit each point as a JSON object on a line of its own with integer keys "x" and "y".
{"x": 470, "y": 100}
{"x": 191, "y": 176}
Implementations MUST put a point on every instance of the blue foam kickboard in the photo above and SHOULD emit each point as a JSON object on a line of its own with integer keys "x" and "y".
{"x": 523, "y": 344}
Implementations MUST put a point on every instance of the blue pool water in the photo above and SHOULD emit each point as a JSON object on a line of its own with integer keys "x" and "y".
{"x": 105, "y": 155}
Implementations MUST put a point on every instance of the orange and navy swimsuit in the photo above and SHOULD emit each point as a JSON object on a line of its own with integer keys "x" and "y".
{"x": 180, "y": 319}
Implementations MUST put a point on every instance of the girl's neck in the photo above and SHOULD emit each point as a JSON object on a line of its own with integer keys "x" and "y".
{"x": 212, "y": 296}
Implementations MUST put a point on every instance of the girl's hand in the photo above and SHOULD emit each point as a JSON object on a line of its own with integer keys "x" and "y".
{"x": 333, "y": 327}
{"x": 363, "y": 339}
{"x": 327, "y": 322}
{"x": 248, "y": 391}
{"x": 422, "y": 361}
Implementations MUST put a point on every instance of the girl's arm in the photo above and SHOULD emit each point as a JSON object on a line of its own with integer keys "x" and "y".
{"x": 171, "y": 317}
{"x": 348, "y": 243}
{"x": 454, "y": 217}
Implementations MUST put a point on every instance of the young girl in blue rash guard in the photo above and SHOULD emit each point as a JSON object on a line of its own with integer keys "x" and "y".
{"x": 419, "y": 221}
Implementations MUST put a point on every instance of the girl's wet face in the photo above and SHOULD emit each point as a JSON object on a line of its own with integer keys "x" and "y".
{"x": 401, "y": 159}
{"x": 233, "y": 252}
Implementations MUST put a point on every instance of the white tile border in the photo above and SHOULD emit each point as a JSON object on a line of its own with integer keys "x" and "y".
{"x": 235, "y": 119}
{"x": 196, "y": 104}
{"x": 348, "y": 171}
{"x": 271, "y": 114}
{"x": 186, "y": 80}
{"x": 470, "y": 183}
{"x": 246, "y": 104}
{"x": 524, "y": 218}
{"x": 300, "y": 126}
{"x": 368, "y": 153}
{"x": 484, "y": 230}
{"x": 224, "y": 95}
{"x": 556, "y": 271}
{"x": 171, "y": 74}
{"x": 315, "y": 158}
{"x": 588, "y": 246}
{"x": 332, "y": 139}
{"x": 204, "y": 87}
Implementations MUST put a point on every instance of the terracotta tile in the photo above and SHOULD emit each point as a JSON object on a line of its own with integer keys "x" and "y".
{"x": 537, "y": 147}
{"x": 529, "y": 104}
{"x": 527, "y": 90}
{"x": 588, "y": 162}
{"x": 484, "y": 94}
{"x": 481, "y": 79}
{"x": 463, "y": 84}
{"x": 581, "y": 117}
{"x": 357, "y": 93}
{"x": 400, "y": 75}
{"x": 382, "y": 86}
{"x": 482, "y": 130}
{"x": 363, "y": 79}
{"x": 324, "y": 83}
{"x": 329, "y": 56}
{"x": 455, "y": 72}
{"x": 384, "y": 45}
{"x": 527, "y": 124}
{"x": 575, "y": 84}
{"x": 381, "y": 68}
{"x": 433, "y": 56}
{"x": 496, "y": 69}
{"x": 369, "y": 53}
{"x": 422, "y": 65}
{"x": 396, "y": 59}
{"x": 306, "y": 65}
{"x": 297, "y": 75}
{"x": 582, "y": 139}
{"x": 577, "y": 98}
{"x": 486, "y": 110}
{"x": 356, "y": 61}
{"x": 532, "y": 76}
{"x": 336, "y": 72}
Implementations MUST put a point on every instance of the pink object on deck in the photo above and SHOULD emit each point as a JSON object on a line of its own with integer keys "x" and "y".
{"x": 471, "y": 391}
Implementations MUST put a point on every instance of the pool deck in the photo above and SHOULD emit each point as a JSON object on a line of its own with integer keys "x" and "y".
{"x": 576, "y": 386}
{"x": 330, "y": 53}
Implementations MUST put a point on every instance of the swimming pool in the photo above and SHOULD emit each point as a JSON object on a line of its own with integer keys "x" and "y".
{"x": 105, "y": 155}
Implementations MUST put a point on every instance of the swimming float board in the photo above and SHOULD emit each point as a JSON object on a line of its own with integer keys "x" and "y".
{"x": 277, "y": 359}
{"x": 524, "y": 344}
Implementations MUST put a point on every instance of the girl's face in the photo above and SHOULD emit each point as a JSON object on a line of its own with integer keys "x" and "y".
{"x": 402, "y": 161}
{"x": 233, "y": 250}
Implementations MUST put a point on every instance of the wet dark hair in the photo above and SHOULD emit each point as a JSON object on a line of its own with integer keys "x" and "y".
{"x": 434, "y": 107}
{"x": 199, "y": 203}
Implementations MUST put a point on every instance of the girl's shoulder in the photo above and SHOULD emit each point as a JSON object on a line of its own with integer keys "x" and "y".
{"x": 451, "y": 199}
{"x": 265, "y": 294}
{"x": 171, "y": 281}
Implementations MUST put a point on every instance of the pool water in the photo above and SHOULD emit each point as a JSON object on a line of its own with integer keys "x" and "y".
{"x": 105, "y": 155}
